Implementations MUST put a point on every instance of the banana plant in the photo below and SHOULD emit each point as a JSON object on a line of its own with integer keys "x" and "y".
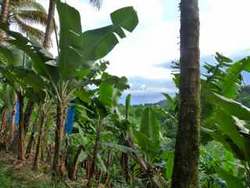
{"x": 224, "y": 119}
{"x": 21, "y": 80}
{"x": 78, "y": 51}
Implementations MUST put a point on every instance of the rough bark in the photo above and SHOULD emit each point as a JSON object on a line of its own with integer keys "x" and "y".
{"x": 20, "y": 129}
{"x": 50, "y": 23}
{"x": 4, "y": 17}
{"x": 59, "y": 134}
{"x": 185, "y": 173}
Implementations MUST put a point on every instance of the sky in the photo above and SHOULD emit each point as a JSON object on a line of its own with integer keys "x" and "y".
{"x": 145, "y": 55}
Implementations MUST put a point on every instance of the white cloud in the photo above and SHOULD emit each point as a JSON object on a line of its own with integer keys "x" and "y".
{"x": 224, "y": 28}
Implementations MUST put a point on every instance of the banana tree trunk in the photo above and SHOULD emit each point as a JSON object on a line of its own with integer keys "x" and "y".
{"x": 124, "y": 164}
{"x": 38, "y": 145}
{"x": 44, "y": 142}
{"x": 27, "y": 115}
{"x": 20, "y": 153}
{"x": 95, "y": 152}
{"x": 31, "y": 139}
{"x": 73, "y": 168}
{"x": 185, "y": 173}
{"x": 59, "y": 134}
{"x": 50, "y": 23}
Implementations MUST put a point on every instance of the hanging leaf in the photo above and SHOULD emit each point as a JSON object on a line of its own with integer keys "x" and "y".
{"x": 99, "y": 42}
{"x": 70, "y": 41}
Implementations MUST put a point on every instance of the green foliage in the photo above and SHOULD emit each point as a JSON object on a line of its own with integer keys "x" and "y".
{"x": 148, "y": 137}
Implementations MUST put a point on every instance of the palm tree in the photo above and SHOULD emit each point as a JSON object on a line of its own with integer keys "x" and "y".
{"x": 96, "y": 3}
{"x": 185, "y": 174}
{"x": 4, "y": 11}
{"x": 4, "y": 16}
{"x": 24, "y": 15}
{"x": 50, "y": 23}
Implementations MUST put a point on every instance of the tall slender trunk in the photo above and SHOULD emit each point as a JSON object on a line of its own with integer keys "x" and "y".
{"x": 31, "y": 139}
{"x": 44, "y": 141}
{"x": 27, "y": 115}
{"x": 20, "y": 128}
{"x": 124, "y": 161}
{"x": 59, "y": 134}
{"x": 50, "y": 23}
{"x": 4, "y": 17}
{"x": 185, "y": 174}
{"x": 95, "y": 152}
{"x": 5, "y": 11}
{"x": 38, "y": 145}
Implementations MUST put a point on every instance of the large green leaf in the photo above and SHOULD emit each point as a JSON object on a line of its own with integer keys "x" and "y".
{"x": 232, "y": 181}
{"x": 106, "y": 93}
{"x": 38, "y": 55}
{"x": 231, "y": 81}
{"x": 70, "y": 40}
{"x": 125, "y": 18}
{"x": 19, "y": 76}
{"x": 99, "y": 42}
{"x": 227, "y": 125}
{"x": 228, "y": 117}
{"x": 169, "y": 159}
{"x": 148, "y": 137}
{"x": 230, "y": 106}
{"x": 150, "y": 126}
{"x": 8, "y": 56}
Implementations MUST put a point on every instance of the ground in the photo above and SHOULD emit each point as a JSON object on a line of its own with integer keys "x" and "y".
{"x": 18, "y": 174}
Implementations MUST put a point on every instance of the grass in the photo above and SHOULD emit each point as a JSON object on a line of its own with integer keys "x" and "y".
{"x": 16, "y": 174}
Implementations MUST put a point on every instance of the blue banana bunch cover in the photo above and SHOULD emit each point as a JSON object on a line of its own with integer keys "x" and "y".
{"x": 69, "y": 120}
{"x": 17, "y": 113}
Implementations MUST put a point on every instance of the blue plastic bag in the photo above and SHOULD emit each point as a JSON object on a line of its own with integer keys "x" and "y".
{"x": 69, "y": 120}
{"x": 17, "y": 113}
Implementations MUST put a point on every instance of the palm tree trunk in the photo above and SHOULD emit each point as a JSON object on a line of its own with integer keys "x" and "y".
{"x": 50, "y": 23}
{"x": 5, "y": 11}
{"x": 185, "y": 174}
{"x": 4, "y": 17}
